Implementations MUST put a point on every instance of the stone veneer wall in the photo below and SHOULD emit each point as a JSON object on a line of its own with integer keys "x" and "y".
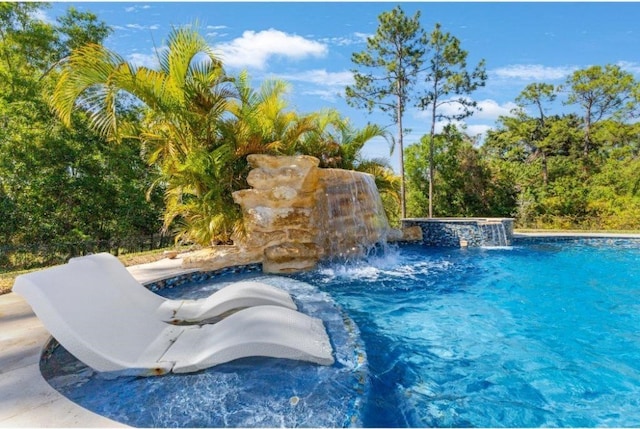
{"x": 457, "y": 232}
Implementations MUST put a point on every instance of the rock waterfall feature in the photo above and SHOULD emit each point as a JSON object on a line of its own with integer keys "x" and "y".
{"x": 296, "y": 214}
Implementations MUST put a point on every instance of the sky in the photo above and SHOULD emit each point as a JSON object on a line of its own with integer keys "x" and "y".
{"x": 310, "y": 45}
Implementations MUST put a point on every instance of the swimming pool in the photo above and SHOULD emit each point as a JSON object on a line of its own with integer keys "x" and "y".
{"x": 544, "y": 333}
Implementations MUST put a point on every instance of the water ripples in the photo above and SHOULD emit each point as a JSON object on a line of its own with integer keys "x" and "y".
{"x": 540, "y": 335}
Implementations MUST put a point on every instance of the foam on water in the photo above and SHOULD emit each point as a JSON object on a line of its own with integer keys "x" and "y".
{"x": 387, "y": 263}
{"x": 496, "y": 247}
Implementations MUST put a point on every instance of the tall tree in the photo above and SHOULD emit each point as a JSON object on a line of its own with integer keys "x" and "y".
{"x": 467, "y": 188}
{"x": 387, "y": 71}
{"x": 77, "y": 29}
{"x": 59, "y": 185}
{"x": 448, "y": 82}
{"x": 601, "y": 93}
{"x": 26, "y": 50}
{"x": 537, "y": 95}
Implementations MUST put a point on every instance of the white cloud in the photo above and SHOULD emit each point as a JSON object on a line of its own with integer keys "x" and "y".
{"x": 142, "y": 27}
{"x": 213, "y": 30}
{"x": 321, "y": 77}
{"x": 491, "y": 109}
{"x": 320, "y": 83}
{"x": 254, "y": 49}
{"x": 473, "y": 130}
{"x": 324, "y": 94}
{"x": 476, "y": 125}
{"x": 533, "y": 72}
{"x": 41, "y": 15}
{"x": 353, "y": 39}
{"x": 136, "y": 8}
{"x": 479, "y": 129}
{"x": 630, "y": 66}
{"x": 144, "y": 60}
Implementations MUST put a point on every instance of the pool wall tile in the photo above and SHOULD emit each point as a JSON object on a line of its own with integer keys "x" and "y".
{"x": 461, "y": 232}
{"x": 200, "y": 276}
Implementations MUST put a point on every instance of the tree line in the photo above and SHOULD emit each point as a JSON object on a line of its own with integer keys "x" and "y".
{"x": 60, "y": 185}
{"x": 93, "y": 147}
{"x": 576, "y": 170}
{"x": 546, "y": 169}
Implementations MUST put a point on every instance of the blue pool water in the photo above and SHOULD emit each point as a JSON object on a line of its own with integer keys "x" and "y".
{"x": 544, "y": 333}
{"x": 250, "y": 392}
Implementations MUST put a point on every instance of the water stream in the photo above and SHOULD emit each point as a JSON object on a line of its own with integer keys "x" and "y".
{"x": 354, "y": 217}
{"x": 494, "y": 234}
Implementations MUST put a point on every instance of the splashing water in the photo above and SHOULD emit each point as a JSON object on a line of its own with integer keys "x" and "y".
{"x": 354, "y": 219}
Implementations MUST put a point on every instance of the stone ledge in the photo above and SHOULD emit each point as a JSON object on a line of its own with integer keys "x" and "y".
{"x": 215, "y": 258}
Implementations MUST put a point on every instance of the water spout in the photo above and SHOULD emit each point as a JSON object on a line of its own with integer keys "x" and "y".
{"x": 494, "y": 234}
{"x": 354, "y": 220}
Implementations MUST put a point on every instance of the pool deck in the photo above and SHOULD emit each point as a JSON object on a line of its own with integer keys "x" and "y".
{"x": 27, "y": 400}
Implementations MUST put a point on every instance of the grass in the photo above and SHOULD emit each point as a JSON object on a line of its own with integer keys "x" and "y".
{"x": 7, "y": 279}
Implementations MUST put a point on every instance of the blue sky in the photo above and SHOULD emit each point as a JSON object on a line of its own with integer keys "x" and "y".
{"x": 309, "y": 44}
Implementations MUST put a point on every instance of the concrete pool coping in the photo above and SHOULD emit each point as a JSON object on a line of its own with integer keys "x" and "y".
{"x": 27, "y": 400}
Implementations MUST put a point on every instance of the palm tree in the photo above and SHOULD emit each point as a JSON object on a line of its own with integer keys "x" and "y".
{"x": 198, "y": 126}
{"x": 185, "y": 101}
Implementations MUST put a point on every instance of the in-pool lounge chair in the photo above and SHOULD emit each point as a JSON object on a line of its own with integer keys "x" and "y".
{"x": 110, "y": 272}
{"x": 111, "y": 331}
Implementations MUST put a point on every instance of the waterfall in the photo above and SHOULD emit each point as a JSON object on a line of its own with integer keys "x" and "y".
{"x": 354, "y": 218}
{"x": 494, "y": 234}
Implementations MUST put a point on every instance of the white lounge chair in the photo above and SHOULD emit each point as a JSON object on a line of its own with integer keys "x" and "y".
{"x": 110, "y": 331}
{"x": 110, "y": 272}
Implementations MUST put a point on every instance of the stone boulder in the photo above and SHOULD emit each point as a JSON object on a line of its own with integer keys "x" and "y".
{"x": 217, "y": 257}
{"x": 291, "y": 257}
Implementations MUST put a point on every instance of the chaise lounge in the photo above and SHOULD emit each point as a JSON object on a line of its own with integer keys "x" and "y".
{"x": 110, "y": 330}
{"x": 110, "y": 272}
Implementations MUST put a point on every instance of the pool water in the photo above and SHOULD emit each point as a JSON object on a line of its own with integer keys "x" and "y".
{"x": 544, "y": 333}
{"x": 249, "y": 392}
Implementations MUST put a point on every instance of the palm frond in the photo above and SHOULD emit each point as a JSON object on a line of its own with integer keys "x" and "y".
{"x": 184, "y": 44}
{"x": 84, "y": 81}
